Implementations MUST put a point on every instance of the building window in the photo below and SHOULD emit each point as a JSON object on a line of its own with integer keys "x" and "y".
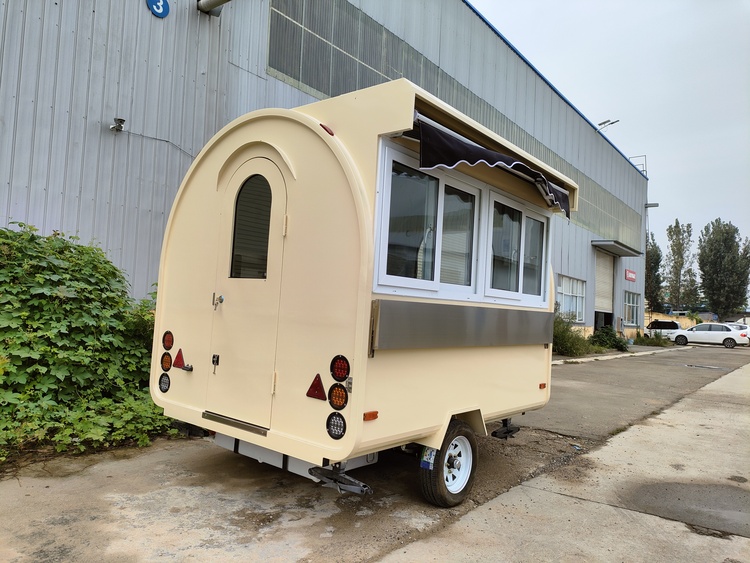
{"x": 572, "y": 298}
{"x": 632, "y": 306}
{"x": 434, "y": 226}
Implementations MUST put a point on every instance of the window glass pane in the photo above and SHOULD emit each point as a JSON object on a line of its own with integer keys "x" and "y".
{"x": 252, "y": 217}
{"x": 533, "y": 257}
{"x": 458, "y": 237}
{"x": 571, "y": 297}
{"x": 411, "y": 228}
{"x": 568, "y": 304}
{"x": 506, "y": 243}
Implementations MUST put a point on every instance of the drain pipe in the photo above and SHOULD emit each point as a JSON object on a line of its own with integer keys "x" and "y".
{"x": 211, "y": 7}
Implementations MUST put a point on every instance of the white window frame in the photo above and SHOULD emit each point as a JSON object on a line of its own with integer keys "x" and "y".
{"x": 480, "y": 288}
{"x": 519, "y": 296}
{"x": 631, "y": 308}
{"x": 578, "y": 315}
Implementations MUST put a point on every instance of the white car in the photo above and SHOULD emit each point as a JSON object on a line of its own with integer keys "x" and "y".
{"x": 662, "y": 328}
{"x": 711, "y": 333}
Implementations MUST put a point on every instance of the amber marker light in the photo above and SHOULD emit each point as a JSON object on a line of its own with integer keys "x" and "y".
{"x": 370, "y": 415}
{"x": 166, "y": 361}
{"x": 337, "y": 396}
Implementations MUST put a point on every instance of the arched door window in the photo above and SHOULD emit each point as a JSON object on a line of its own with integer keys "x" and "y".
{"x": 252, "y": 217}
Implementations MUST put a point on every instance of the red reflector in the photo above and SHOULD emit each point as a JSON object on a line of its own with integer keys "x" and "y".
{"x": 327, "y": 129}
{"x": 179, "y": 361}
{"x": 370, "y": 415}
{"x": 316, "y": 390}
{"x": 542, "y": 386}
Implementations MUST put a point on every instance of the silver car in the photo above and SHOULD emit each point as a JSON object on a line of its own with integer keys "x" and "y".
{"x": 711, "y": 333}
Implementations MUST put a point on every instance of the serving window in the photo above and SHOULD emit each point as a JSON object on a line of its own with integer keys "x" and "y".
{"x": 446, "y": 235}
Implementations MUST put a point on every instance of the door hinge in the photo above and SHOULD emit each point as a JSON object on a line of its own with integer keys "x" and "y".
{"x": 273, "y": 384}
{"x": 286, "y": 224}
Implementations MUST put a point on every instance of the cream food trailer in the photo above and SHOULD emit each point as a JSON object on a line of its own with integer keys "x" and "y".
{"x": 361, "y": 273}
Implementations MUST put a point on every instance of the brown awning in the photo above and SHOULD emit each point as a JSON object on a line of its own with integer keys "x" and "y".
{"x": 439, "y": 148}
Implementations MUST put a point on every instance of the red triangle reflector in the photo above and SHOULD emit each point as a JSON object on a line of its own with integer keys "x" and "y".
{"x": 316, "y": 390}
{"x": 179, "y": 361}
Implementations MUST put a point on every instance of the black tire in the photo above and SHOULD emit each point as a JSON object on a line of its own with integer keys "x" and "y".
{"x": 729, "y": 343}
{"x": 451, "y": 478}
{"x": 681, "y": 340}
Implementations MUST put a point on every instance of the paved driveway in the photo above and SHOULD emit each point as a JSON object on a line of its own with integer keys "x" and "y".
{"x": 190, "y": 500}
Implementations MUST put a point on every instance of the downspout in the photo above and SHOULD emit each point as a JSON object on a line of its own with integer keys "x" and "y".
{"x": 211, "y": 7}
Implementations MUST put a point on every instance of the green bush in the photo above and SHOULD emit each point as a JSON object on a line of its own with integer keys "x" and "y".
{"x": 566, "y": 340}
{"x": 74, "y": 348}
{"x": 606, "y": 337}
{"x": 656, "y": 340}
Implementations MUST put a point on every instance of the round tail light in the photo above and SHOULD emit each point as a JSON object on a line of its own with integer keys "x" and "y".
{"x": 336, "y": 426}
{"x": 340, "y": 368}
{"x": 166, "y": 361}
{"x": 337, "y": 396}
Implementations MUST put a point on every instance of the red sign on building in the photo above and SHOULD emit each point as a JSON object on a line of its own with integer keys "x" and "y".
{"x": 630, "y": 275}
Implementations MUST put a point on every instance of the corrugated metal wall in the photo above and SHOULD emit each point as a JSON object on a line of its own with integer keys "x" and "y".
{"x": 67, "y": 69}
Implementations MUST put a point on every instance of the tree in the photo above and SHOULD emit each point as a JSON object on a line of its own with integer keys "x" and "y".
{"x": 679, "y": 261}
{"x": 691, "y": 291}
{"x": 653, "y": 282}
{"x": 724, "y": 263}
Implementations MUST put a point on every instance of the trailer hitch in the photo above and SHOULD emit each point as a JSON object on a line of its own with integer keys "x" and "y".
{"x": 335, "y": 478}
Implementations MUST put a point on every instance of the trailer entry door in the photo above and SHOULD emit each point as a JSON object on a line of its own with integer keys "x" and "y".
{"x": 248, "y": 284}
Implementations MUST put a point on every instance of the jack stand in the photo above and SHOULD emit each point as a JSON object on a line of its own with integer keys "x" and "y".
{"x": 336, "y": 479}
{"x": 507, "y": 431}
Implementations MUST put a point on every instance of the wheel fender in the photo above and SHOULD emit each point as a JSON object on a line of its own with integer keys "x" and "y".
{"x": 473, "y": 418}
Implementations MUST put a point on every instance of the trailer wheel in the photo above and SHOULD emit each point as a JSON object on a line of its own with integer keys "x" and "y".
{"x": 451, "y": 476}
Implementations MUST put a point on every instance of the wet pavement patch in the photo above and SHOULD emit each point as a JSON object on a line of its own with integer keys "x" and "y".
{"x": 717, "y": 507}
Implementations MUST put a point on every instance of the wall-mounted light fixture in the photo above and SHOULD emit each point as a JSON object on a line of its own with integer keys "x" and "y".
{"x": 118, "y": 125}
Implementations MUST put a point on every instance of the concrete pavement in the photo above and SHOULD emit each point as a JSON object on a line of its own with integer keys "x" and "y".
{"x": 673, "y": 487}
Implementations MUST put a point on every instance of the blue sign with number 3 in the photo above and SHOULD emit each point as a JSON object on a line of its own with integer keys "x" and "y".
{"x": 160, "y": 8}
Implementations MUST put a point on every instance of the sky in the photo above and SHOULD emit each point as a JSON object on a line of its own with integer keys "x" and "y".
{"x": 675, "y": 73}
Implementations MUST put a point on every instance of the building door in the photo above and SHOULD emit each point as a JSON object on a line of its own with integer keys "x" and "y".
{"x": 246, "y": 300}
{"x": 604, "y": 297}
